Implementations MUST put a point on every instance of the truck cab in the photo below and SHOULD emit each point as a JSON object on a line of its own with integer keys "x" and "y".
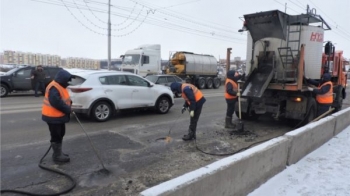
{"x": 144, "y": 60}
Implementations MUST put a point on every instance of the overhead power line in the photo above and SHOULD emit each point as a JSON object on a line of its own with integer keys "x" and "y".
{"x": 335, "y": 28}
{"x": 336, "y": 25}
{"x": 168, "y": 13}
{"x": 169, "y": 24}
{"x": 126, "y": 19}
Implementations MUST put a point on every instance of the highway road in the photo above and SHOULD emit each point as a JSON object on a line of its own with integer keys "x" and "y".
{"x": 22, "y": 124}
{"x": 127, "y": 145}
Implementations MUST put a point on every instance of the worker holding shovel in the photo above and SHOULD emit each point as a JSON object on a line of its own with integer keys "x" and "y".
{"x": 194, "y": 101}
{"x": 231, "y": 94}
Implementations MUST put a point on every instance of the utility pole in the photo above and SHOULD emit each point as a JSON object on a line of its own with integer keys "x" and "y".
{"x": 228, "y": 59}
{"x": 285, "y": 8}
{"x": 109, "y": 34}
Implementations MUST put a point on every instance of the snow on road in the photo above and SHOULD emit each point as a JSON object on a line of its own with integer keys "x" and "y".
{"x": 325, "y": 171}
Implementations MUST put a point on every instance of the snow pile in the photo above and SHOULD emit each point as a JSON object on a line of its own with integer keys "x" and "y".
{"x": 325, "y": 171}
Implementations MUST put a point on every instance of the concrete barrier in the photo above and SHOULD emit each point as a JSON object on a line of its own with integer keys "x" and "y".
{"x": 308, "y": 138}
{"x": 235, "y": 175}
{"x": 242, "y": 173}
{"x": 343, "y": 120}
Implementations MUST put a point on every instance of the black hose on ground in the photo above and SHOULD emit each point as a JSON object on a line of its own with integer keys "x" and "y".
{"x": 48, "y": 169}
{"x": 230, "y": 153}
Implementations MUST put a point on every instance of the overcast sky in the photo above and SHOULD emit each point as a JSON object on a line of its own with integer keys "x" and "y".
{"x": 78, "y": 28}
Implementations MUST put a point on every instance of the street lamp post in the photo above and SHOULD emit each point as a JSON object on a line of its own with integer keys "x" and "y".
{"x": 109, "y": 34}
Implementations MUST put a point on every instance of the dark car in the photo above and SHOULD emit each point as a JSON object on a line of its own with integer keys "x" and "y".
{"x": 165, "y": 80}
{"x": 18, "y": 79}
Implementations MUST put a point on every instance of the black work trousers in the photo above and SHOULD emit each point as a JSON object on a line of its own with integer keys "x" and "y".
{"x": 57, "y": 132}
{"x": 194, "y": 119}
{"x": 230, "y": 107}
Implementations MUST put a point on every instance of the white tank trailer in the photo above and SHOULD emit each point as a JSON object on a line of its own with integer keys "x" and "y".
{"x": 282, "y": 49}
{"x": 198, "y": 69}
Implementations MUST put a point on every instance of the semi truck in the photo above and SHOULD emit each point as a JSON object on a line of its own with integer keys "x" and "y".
{"x": 197, "y": 69}
{"x": 283, "y": 50}
{"x": 143, "y": 60}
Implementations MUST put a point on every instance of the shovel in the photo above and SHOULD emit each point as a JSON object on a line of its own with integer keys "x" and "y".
{"x": 240, "y": 125}
{"x": 167, "y": 138}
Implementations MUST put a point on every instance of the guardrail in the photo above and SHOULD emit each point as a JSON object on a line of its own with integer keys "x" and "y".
{"x": 241, "y": 173}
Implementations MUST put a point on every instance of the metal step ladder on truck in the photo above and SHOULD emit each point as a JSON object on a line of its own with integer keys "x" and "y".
{"x": 197, "y": 69}
{"x": 283, "y": 50}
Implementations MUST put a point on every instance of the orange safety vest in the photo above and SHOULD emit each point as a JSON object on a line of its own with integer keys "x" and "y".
{"x": 47, "y": 109}
{"x": 326, "y": 98}
{"x": 197, "y": 93}
{"x": 235, "y": 88}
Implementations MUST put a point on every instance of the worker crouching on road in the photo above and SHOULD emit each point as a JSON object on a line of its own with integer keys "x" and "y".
{"x": 231, "y": 94}
{"x": 194, "y": 101}
{"x": 56, "y": 112}
{"x": 324, "y": 93}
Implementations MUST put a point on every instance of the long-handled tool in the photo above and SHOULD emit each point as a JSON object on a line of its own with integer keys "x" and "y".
{"x": 167, "y": 138}
{"x": 104, "y": 170}
{"x": 323, "y": 115}
{"x": 240, "y": 125}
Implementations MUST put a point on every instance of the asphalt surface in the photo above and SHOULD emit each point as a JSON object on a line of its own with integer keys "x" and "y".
{"x": 127, "y": 144}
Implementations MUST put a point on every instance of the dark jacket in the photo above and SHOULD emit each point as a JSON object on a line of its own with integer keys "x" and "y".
{"x": 325, "y": 78}
{"x": 177, "y": 87}
{"x": 62, "y": 77}
{"x": 229, "y": 88}
{"x": 39, "y": 75}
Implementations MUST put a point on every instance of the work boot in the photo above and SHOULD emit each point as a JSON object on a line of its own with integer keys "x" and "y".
{"x": 57, "y": 155}
{"x": 190, "y": 136}
{"x": 67, "y": 155}
{"x": 228, "y": 123}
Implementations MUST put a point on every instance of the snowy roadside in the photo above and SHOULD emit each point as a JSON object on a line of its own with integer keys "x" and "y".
{"x": 325, "y": 171}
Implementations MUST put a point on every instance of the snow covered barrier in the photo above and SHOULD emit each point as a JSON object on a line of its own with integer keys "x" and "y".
{"x": 343, "y": 120}
{"x": 236, "y": 175}
{"x": 308, "y": 138}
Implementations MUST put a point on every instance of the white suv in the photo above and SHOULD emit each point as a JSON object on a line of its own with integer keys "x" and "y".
{"x": 99, "y": 93}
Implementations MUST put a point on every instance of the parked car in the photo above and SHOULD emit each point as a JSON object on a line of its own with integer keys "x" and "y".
{"x": 165, "y": 80}
{"x": 18, "y": 79}
{"x": 99, "y": 94}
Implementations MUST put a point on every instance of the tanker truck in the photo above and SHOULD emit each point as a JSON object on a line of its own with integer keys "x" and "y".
{"x": 283, "y": 50}
{"x": 197, "y": 69}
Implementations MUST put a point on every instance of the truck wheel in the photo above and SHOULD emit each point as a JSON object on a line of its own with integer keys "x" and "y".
{"x": 311, "y": 111}
{"x": 101, "y": 111}
{"x": 4, "y": 90}
{"x": 209, "y": 83}
{"x": 216, "y": 82}
{"x": 201, "y": 83}
{"x": 177, "y": 94}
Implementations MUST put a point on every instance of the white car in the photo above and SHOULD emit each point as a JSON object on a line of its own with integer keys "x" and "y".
{"x": 100, "y": 93}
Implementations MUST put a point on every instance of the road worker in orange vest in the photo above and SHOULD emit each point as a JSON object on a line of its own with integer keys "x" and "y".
{"x": 194, "y": 101}
{"x": 56, "y": 111}
{"x": 231, "y": 96}
{"x": 324, "y": 93}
